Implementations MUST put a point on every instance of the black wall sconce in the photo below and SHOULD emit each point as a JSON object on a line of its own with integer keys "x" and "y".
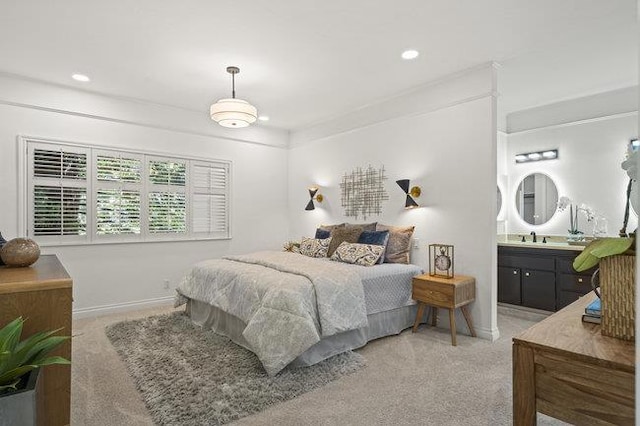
{"x": 412, "y": 193}
{"x": 313, "y": 194}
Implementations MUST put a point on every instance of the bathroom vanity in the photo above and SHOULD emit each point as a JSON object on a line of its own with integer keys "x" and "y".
{"x": 540, "y": 276}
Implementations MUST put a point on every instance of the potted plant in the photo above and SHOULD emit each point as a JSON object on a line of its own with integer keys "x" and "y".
{"x": 616, "y": 260}
{"x": 20, "y": 362}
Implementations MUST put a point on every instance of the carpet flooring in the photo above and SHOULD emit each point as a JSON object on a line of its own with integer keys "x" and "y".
{"x": 410, "y": 379}
{"x": 189, "y": 377}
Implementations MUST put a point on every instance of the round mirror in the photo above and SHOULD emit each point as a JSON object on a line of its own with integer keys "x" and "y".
{"x": 536, "y": 199}
{"x": 499, "y": 201}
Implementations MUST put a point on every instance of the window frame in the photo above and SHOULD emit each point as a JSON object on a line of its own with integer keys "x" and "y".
{"x": 26, "y": 179}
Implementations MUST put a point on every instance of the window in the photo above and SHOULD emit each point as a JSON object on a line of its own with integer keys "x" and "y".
{"x": 81, "y": 194}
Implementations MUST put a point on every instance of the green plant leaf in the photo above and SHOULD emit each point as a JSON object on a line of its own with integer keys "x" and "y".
{"x": 8, "y": 328}
{"x": 11, "y": 336}
{"x": 53, "y": 360}
{"x": 18, "y": 358}
{"x": 10, "y": 386}
{"x": 16, "y": 373}
{"x": 611, "y": 247}
{"x": 31, "y": 352}
{"x": 599, "y": 249}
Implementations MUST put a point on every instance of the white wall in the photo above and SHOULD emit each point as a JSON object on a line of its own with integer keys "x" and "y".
{"x": 587, "y": 170}
{"x": 117, "y": 274}
{"x": 447, "y": 146}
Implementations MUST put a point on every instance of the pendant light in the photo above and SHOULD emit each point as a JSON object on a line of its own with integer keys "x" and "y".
{"x": 233, "y": 113}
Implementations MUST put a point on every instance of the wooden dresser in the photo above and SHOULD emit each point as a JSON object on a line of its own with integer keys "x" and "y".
{"x": 565, "y": 368}
{"x": 42, "y": 294}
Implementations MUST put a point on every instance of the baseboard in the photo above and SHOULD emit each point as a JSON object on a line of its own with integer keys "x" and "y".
{"x": 97, "y": 311}
{"x": 488, "y": 334}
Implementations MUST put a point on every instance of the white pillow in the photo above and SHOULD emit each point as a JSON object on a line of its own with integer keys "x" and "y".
{"x": 358, "y": 254}
{"x": 314, "y": 247}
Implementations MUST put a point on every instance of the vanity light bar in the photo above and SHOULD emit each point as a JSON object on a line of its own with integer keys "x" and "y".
{"x": 634, "y": 144}
{"x": 550, "y": 154}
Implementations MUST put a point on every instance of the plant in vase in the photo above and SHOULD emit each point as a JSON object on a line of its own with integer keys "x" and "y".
{"x": 615, "y": 278}
{"x": 20, "y": 362}
{"x": 575, "y": 234}
{"x": 630, "y": 165}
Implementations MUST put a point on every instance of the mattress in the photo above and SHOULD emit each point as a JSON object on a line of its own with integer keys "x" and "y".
{"x": 387, "y": 286}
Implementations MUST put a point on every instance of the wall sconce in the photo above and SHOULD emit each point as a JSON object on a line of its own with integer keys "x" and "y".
{"x": 550, "y": 154}
{"x": 314, "y": 196}
{"x": 412, "y": 193}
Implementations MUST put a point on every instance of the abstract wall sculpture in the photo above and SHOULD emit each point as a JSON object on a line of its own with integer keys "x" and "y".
{"x": 363, "y": 192}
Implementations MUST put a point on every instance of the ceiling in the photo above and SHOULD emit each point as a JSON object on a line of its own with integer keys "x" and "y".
{"x": 304, "y": 61}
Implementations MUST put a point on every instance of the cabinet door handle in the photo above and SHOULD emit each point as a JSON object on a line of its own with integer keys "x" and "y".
{"x": 579, "y": 280}
{"x": 526, "y": 274}
{"x": 515, "y": 272}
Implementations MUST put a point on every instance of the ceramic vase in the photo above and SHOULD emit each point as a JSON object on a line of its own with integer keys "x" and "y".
{"x": 20, "y": 252}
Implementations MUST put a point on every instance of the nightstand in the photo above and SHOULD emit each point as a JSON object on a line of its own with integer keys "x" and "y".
{"x": 441, "y": 292}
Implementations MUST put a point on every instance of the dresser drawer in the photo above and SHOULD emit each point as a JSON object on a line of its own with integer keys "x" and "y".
{"x": 433, "y": 293}
{"x": 566, "y": 265}
{"x": 578, "y": 283}
{"x": 529, "y": 262}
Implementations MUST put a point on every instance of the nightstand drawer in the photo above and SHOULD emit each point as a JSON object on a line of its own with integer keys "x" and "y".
{"x": 433, "y": 293}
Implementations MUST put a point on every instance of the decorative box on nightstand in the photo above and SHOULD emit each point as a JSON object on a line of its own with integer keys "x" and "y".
{"x": 448, "y": 293}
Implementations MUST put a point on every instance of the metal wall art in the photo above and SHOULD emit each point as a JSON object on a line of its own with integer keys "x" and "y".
{"x": 363, "y": 192}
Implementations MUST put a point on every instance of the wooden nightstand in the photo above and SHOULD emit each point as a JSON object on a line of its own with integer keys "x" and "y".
{"x": 448, "y": 293}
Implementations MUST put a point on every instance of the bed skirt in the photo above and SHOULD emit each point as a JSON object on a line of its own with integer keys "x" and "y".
{"x": 381, "y": 324}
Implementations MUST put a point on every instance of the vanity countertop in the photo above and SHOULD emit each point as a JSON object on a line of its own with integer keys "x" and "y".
{"x": 549, "y": 245}
{"x": 554, "y": 242}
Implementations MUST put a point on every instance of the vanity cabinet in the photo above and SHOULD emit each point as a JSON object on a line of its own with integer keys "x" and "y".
{"x": 539, "y": 278}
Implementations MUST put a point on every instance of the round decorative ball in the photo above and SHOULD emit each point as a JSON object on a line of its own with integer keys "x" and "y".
{"x": 20, "y": 252}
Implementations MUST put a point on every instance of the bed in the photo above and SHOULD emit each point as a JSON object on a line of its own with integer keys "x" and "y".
{"x": 296, "y": 310}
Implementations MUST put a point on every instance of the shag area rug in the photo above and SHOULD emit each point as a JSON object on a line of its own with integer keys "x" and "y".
{"x": 190, "y": 376}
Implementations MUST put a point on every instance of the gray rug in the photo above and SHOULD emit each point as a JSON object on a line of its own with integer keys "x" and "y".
{"x": 189, "y": 376}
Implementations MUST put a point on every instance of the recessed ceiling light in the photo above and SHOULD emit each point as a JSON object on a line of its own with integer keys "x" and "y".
{"x": 81, "y": 77}
{"x": 263, "y": 118}
{"x": 410, "y": 54}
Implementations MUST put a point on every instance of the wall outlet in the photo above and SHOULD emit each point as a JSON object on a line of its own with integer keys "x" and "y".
{"x": 416, "y": 243}
{"x": 165, "y": 284}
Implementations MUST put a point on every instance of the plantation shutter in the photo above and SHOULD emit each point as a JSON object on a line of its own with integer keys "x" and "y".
{"x": 57, "y": 200}
{"x": 79, "y": 194}
{"x": 118, "y": 195}
{"x": 167, "y": 201}
{"x": 209, "y": 188}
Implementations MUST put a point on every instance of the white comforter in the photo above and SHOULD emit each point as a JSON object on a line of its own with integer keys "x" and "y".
{"x": 288, "y": 301}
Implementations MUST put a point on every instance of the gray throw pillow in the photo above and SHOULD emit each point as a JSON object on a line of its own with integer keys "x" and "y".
{"x": 399, "y": 245}
{"x": 340, "y": 235}
{"x": 365, "y": 226}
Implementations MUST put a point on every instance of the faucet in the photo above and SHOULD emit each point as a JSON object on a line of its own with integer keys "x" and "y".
{"x": 535, "y": 239}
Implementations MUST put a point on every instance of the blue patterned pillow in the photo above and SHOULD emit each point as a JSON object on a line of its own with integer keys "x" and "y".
{"x": 358, "y": 254}
{"x": 379, "y": 238}
{"x": 322, "y": 234}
